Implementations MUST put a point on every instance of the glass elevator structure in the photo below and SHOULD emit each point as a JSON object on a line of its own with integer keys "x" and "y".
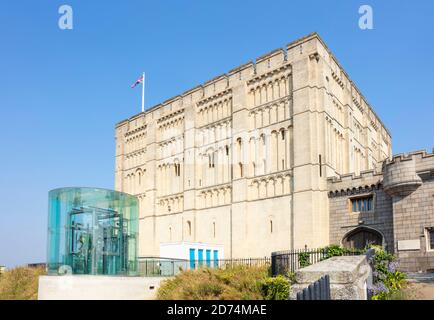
{"x": 92, "y": 232}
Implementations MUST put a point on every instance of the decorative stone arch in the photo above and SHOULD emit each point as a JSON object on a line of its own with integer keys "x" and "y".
{"x": 279, "y": 186}
{"x": 263, "y": 188}
{"x": 362, "y": 236}
{"x": 252, "y": 168}
{"x": 139, "y": 175}
{"x": 271, "y": 182}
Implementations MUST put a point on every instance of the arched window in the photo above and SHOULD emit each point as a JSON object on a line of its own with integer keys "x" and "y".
{"x": 189, "y": 227}
{"x": 241, "y": 169}
{"x": 271, "y": 226}
{"x": 282, "y": 133}
{"x": 170, "y": 233}
{"x": 239, "y": 147}
{"x": 177, "y": 169}
{"x": 213, "y": 229}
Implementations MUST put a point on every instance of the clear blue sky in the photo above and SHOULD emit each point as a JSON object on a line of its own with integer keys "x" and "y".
{"x": 62, "y": 92}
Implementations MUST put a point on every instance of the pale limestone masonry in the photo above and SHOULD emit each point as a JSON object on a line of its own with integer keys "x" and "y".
{"x": 403, "y": 210}
{"x": 243, "y": 159}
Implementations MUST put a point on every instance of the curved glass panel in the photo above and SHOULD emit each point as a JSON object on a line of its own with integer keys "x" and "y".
{"x": 92, "y": 231}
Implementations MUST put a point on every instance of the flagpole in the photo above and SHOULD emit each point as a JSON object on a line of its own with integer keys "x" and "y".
{"x": 143, "y": 93}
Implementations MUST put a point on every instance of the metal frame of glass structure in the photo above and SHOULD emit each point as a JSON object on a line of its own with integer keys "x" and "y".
{"x": 92, "y": 231}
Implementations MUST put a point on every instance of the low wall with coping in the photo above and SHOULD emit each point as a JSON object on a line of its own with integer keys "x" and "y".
{"x": 349, "y": 277}
{"x": 87, "y": 287}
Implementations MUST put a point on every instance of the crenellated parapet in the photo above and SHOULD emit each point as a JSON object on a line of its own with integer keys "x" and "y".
{"x": 424, "y": 161}
{"x": 401, "y": 173}
{"x": 351, "y": 184}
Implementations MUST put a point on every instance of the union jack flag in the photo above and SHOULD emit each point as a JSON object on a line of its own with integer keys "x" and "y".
{"x": 138, "y": 81}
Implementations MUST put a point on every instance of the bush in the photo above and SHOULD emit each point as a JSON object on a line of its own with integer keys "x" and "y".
{"x": 275, "y": 288}
{"x": 234, "y": 283}
{"x": 304, "y": 259}
{"x": 388, "y": 280}
{"x": 335, "y": 250}
{"x": 20, "y": 283}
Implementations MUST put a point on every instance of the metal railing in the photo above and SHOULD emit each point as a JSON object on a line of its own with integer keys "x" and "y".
{"x": 284, "y": 262}
{"x": 319, "y": 290}
{"x": 158, "y": 267}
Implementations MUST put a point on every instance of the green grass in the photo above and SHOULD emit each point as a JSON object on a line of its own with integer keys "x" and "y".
{"x": 20, "y": 283}
{"x": 236, "y": 283}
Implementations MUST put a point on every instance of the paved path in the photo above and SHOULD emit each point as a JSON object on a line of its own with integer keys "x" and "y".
{"x": 421, "y": 286}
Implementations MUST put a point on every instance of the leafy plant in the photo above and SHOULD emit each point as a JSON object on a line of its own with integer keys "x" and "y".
{"x": 336, "y": 250}
{"x": 388, "y": 280}
{"x": 276, "y": 288}
{"x": 304, "y": 259}
{"x": 332, "y": 251}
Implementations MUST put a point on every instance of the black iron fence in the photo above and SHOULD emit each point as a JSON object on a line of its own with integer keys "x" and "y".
{"x": 285, "y": 262}
{"x": 168, "y": 267}
{"x": 319, "y": 290}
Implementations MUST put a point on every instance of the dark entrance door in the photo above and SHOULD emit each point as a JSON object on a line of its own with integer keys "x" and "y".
{"x": 362, "y": 237}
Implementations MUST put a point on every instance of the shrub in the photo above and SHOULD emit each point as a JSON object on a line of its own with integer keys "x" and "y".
{"x": 20, "y": 283}
{"x": 388, "y": 280}
{"x": 336, "y": 250}
{"x": 333, "y": 251}
{"x": 304, "y": 259}
{"x": 275, "y": 288}
{"x": 231, "y": 283}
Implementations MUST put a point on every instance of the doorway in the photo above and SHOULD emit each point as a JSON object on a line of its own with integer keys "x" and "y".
{"x": 361, "y": 238}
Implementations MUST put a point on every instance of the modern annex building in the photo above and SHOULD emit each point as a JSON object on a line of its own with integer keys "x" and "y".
{"x": 92, "y": 231}
{"x": 251, "y": 161}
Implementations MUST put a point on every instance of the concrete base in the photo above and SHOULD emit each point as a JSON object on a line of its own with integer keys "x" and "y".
{"x": 77, "y": 287}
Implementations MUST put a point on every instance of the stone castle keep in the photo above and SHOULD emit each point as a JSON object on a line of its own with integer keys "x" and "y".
{"x": 276, "y": 154}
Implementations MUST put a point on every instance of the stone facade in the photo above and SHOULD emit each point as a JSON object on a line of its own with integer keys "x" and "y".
{"x": 243, "y": 159}
{"x": 343, "y": 221}
{"x": 402, "y": 211}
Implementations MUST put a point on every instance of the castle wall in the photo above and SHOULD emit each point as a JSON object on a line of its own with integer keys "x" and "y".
{"x": 343, "y": 221}
{"x": 412, "y": 178}
{"x": 243, "y": 159}
{"x": 403, "y": 207}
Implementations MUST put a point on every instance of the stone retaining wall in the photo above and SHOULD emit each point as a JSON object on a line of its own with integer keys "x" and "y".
{"x": 349, "y": 277}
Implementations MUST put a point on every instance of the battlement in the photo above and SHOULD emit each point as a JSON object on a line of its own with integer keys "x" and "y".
{"x": 271, "y": 60}
{"x": 355, "y": 179}
{"x": 349, "y": 184}
{"x": 417, "y": 155}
